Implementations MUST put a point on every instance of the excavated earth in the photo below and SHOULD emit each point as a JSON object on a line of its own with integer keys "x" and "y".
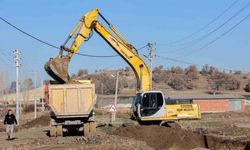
{"x": 161, "y": 137}
{"x": 32, "y": 135}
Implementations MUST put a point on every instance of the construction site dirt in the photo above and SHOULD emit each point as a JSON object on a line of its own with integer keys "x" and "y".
{"x": 213, "y": 131}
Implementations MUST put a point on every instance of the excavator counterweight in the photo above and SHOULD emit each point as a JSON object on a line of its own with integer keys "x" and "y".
{"x": 57, "y": 68}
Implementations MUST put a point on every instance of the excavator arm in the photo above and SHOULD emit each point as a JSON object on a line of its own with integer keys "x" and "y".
{"x": 58, "y": 67}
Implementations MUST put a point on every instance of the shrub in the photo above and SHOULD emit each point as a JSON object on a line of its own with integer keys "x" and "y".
{"x": 28, "y": 108}
{"x": 247, "y": 87}
{"x": 178, "y": 83}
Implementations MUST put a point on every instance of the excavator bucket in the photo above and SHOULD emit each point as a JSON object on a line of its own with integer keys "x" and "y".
{"x": 57, "y": 68}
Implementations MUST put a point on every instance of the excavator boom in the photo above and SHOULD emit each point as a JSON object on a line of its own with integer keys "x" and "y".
{"x": 58, "y": 67}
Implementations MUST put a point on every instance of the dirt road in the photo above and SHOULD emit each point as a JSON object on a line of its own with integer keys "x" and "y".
{"x": 214, "y": 131}
{"x": 36, "y": 138}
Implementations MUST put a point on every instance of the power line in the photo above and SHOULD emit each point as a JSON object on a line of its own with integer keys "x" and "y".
{"x": 48, "y": 44}
{"x": 179, "y": 61}
{"x": 195, "y": 41}
{"x": 217, "y": 38}
{"x": 4, "y": 60}
{"x": 39, "y": 40}
{"x": 7, "y": 57}
{"x": 205, "y": 26}
{"x": 103, "y": 56}
{"x": 53, "y": 46}
{"x": 189, "y": 63}
{"x": 142, "y": 47}
{"x": 87, "y": 55}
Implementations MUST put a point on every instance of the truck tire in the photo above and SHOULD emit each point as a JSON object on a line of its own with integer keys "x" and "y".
{"x": 59, "y": 131}
{"x": 92, "y": 128}
{"x": 86, "y": 129}
{"x": 52, "y": 131}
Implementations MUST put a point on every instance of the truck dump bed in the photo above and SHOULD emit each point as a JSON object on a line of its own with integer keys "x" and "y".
{"x": 72, "y": 100}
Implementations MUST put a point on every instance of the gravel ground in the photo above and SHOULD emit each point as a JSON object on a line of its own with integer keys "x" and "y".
{"x": 213, "y": 131}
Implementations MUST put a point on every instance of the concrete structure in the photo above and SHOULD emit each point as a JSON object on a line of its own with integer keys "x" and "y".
{"x": 105, "y": 101}
{"x": 214, "y": 103}
{"x": 24, "y": 96}
{"x": 208, "y": 103}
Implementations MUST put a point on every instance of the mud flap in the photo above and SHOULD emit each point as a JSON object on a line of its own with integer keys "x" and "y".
{"x": 92, "y": 128}
{"x": 56, "y": 131}
{"x": 59, "y": 131}
{"x": 86, "y": 130}
{"x": 52, "y": 131}
{"x": 89, "y": 128}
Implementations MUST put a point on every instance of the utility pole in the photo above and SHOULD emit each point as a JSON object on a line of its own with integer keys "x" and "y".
{"x": 17, "y": 61}
{"x": 116, "y": 92}
{"x": 35, "y": 86}
{"x": 102, "y": 102}
{"x": 151, "y": 59}
{"x": 35, "y": 109}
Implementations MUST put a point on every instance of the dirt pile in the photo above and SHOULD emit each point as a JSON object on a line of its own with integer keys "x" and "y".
{"x": 215, "y": 143}
{"x": 40, "y": 121}
{"x": 160, "y": 137}
{"x": 43, "y": 120}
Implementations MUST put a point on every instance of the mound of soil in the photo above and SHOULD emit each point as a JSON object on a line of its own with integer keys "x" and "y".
{"x": 43, "y": 120}
{"x": 40, "y": 121}
{"x": 160, "y": 137}
{"x": 215, "y": 143}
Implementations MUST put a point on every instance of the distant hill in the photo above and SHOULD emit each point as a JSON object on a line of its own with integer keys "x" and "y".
{"x": 208, "y": 79}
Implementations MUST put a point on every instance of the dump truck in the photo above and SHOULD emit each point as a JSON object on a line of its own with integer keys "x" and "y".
{"x": 71, "y": 108}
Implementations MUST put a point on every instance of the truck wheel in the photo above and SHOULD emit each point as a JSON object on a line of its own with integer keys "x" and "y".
{"x": 92, "y": 128}
{"x": 52, "y": 131}
{"x": 86, "y": 129}
{"x": 59, "y": 131}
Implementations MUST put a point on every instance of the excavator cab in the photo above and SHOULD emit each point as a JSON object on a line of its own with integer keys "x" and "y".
{"x": 147, "y": 104}
{"x": 151, "y": 103}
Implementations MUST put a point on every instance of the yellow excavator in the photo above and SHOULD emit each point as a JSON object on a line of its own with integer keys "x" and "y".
{"x": 149, "y": 106}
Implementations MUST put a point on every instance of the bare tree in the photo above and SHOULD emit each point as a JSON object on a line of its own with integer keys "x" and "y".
{"x": 192, "y": 72}
{"x": 247, "y": 87}
{"x": 12, "y": 88}
{"x": 177, "y": 70}
{"x": 3, "y": 82}
{"x": 82, "y": 72}
{"x": 26, "y": 87}
{"x": 178, "y": 83}
{"x": 224, "y": 81}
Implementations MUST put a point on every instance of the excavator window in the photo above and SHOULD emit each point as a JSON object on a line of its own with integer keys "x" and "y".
{"x": 151, "y": 103}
